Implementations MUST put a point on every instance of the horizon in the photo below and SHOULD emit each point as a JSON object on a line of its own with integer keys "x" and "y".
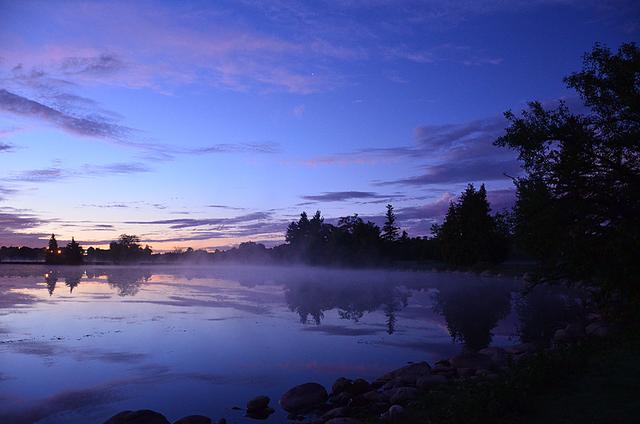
{"x": 193, "y": 125}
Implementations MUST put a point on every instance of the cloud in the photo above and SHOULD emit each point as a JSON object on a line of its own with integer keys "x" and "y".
{"x": 231, "y": 208}
{"x": 94, "y": 126}
{"x": 463, "y": 171}
{"x": 16, "y": 228}
{"x": 339, "y": 196}
{"x": 56, "y": 173}
{"x": 193, "y": 222}
{"x": 103, "y": 64}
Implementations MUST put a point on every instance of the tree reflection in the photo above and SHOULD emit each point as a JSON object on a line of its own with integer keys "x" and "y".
{"x": 127, "y": 281}
{"x": 51, "y": 278}
{"x": 542, "y": 311}
{"x": 72, "y": 280}
{"x": 310, "y": 301}
{"x": 472, "y": 309}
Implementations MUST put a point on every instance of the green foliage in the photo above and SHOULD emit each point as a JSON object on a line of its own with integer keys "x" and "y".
{"x": 469, "y": 234}
{"x": 577, "y": 207}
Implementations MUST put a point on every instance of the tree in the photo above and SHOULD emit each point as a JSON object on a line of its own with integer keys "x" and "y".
{"x": 578, "y": 205}
{"x": 469, "y": 234}
{"x": 53, "y": 255}
{"x": 390, "y": 230}
{"x": 73, "y": 253}
{"x": 126, "y": 248}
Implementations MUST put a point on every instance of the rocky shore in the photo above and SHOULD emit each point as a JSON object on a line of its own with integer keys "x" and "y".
{"x": 390, "y": 397}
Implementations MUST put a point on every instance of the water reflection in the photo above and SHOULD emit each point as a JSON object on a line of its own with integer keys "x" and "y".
{"x": 472, "y": 309}
{"x": 543, "y": 310}
{"x": 72, "y": 280}
{"x": 250, "y": 320}
{"x": 50, "y": 279}
{"x": 352, "y": 301}
{"x": 125, "y": 281}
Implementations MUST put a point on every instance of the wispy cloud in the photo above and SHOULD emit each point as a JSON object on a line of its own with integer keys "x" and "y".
{"x": 339, "y": 196}
{"x": 84, "y": 126}
{"x": 194, "y": 222}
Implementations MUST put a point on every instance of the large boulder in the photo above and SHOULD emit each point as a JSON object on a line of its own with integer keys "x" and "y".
{"x": 407, "y": 374}
{"x": 395, "y": 412}
{"x": 341, "y": 385}
{"x": 475, "y": 361}
{"x": 258, "y": 407}
{"x": 194, "y": 419}
{"x": 143, "y": 416}
{"x": 359, "y": 387}
{"x": 258, "y": 403}
{"x": 403, "y": 395}
{"x": 430, "y": 381}
{"x": 304, "y": 397}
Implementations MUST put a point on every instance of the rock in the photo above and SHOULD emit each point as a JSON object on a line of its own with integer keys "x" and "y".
{"x": 143, "y": 416}
{"x": 410, "y": 372}
{"x": 471, "y": 360}
{"x": 597, "y": 329}
{"x": 341, "y": 385}
{"x": 343, "y": 420}
{"x": 340, "y": 399}
{"x": 403, "y": 395}
{"x": 359, "y": 387}
{"x": 342, "y": 411}
{"x": 430, "y": 381}
{"x": 394, "y": 413}
{"x": 258, "y": 403}
{"x": 194, "y": 419}
{"x": 304, "y": 397}
{"x": 447, "y": 371}
{"x": 498, "y": 355}
{"x": 374, "y": 396}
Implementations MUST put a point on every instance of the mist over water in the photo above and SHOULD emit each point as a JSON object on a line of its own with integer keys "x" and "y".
{"x": 201, "y": 340}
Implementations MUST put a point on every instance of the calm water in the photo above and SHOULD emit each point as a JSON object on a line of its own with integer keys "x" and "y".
{"x": 80, "y": 344}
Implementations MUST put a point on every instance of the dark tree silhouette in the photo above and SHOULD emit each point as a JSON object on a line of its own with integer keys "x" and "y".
{"x": 73, "y": 253}
{"x": 469, "y": 234}
{"x": 54, "y": 254}
{"x": 127, "y": 249}
{"x": 390, "y": 230}
{"x": 577, "y": 207}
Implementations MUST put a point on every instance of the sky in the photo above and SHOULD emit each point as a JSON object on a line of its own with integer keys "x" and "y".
{"x": 211, "y": 123}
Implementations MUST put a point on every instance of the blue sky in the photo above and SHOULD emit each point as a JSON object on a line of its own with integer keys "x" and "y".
{"x": 206, "y": 124}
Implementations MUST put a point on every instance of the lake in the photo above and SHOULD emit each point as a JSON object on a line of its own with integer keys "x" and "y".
{"x": 79, "y": 344}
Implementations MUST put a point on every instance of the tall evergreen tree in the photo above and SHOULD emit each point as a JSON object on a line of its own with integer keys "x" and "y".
{"x": 390, "y": 230}
{"x": 469, "y": 234}
{"x": 53, "y": 255}
{"x": 73, "y": 253}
